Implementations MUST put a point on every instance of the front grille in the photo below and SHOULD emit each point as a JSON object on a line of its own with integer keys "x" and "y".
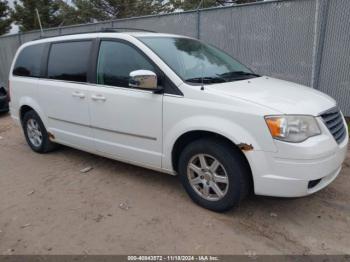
{"x": 335, "y": 124}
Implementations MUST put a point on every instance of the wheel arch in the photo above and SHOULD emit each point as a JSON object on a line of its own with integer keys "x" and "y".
{"x": 193, "y": 135}
{"x": 26, "y": 104}
{"x": 23, "y": 110}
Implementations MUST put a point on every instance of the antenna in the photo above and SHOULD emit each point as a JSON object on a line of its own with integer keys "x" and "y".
{"x": 37, "y": 14}
{"x": 202, "y": 69}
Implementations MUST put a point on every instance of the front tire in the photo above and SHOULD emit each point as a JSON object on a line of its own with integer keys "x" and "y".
{"x": 215, "y": 175}
{"x": 36, "y": 133}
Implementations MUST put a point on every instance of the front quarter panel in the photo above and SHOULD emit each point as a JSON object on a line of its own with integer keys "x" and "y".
{"x": 235, "y": 120}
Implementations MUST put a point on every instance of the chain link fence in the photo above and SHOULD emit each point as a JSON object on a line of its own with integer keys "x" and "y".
{"x": 304, "y": 41}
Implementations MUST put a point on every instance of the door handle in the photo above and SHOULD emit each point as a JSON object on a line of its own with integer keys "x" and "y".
{"x": 98, "y": 98}
{"x": 78, "y": 94}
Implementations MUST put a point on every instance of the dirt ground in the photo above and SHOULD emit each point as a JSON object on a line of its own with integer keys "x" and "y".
{"x": 47, "y": 206}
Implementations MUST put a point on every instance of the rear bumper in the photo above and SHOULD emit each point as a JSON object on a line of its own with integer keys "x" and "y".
{"x": 288, "y": 173}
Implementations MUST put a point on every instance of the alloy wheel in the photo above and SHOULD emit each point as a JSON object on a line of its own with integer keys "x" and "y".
{"x": 208, "y": 177}
{"x": 34, "y": 133}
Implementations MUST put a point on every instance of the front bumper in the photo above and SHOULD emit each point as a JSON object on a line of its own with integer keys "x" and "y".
{"x": 298, "y": 169}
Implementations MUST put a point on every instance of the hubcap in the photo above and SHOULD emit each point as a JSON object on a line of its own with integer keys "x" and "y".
{"x": 34, "y": 133}
{"x": 207, "y": 177}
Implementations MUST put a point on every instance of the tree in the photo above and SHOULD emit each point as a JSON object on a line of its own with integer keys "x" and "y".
{"x": 87, "y": 11}
{"x": 238, "y": 1}
{"x": 193, "y": 4}
{"x": 55, "y": 13}
{"x": 5, "y": 21}
{"x": 84, "y": 11}
{"x": 24, "y": 14}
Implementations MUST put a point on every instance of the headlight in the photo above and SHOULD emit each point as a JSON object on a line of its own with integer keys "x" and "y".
{"x": 292, "y": 128}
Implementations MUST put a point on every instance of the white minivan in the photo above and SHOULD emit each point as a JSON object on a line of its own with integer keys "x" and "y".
{"x": 179, "y": 106}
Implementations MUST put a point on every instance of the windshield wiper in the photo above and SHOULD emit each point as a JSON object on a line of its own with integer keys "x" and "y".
{"x": 206, "y": 80}
{"x": 222, "y": 78}
{"x": 238, "y": 74}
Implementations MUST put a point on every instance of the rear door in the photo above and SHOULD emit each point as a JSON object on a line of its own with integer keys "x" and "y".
{"x": 126, "y": 122}
{"x": 65, "y": 92}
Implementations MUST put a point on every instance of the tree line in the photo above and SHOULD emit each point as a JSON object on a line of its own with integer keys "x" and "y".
{"x": 55, "y": 13}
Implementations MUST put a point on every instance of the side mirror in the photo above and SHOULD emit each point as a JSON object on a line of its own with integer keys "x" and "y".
{"x": 143, "y": 79}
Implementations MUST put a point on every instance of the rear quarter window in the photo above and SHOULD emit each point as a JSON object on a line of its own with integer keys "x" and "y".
{"x": 28, "y": 62}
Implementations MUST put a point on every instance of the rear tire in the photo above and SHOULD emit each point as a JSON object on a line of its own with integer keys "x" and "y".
{"x": 36, "y": 133}
{"x": 221, "y": 180}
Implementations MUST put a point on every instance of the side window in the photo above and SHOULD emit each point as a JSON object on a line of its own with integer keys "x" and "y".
{"x": 28, "y": 62}
{"x": 115, "y": 62}
{"x": 69, "y": 61}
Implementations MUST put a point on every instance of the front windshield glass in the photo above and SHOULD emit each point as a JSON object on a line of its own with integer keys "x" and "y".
{"x": 196, "y": 62}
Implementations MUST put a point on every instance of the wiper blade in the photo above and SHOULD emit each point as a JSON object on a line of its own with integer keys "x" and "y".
{"x": 206, "y": 80}
{"x": 222, "y": 78}
{"x": 238, "y": 74}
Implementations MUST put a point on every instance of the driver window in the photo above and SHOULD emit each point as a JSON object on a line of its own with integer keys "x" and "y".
{"x": 115, "y": 62}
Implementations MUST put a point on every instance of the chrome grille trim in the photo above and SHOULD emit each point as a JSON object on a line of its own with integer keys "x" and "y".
{"x": 333, "y": 119}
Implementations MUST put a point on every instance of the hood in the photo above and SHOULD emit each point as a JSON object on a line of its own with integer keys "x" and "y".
{"x": 283, "y": 96}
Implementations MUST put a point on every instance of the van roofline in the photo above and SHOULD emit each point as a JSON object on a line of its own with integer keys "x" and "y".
{"x": 103, "y": 33}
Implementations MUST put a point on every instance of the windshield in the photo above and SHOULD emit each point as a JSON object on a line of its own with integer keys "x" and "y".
{"x": 196, "y": 62}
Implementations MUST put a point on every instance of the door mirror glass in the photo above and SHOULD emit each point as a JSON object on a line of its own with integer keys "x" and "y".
{"x": 144, "y": 79}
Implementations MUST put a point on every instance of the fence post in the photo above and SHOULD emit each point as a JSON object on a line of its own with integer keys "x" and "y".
{"x": 198, "y": 24}
{"x": 201, "y": 5}
{"x": 19, "y": 38}
{"x": 321, "y": 16}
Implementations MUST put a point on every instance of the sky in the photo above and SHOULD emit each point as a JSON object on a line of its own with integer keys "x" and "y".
{"x": 10, "y": 2}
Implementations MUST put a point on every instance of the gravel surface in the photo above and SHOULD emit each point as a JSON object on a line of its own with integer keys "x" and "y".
{"x": 72, "y": 202}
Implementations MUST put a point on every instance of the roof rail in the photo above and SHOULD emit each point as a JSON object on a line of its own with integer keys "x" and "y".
{"x": 103, "y": 30}
{"x": 118, "y": 29}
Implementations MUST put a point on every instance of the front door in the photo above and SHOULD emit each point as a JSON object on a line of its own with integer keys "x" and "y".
{"x": 126, "y": 122}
